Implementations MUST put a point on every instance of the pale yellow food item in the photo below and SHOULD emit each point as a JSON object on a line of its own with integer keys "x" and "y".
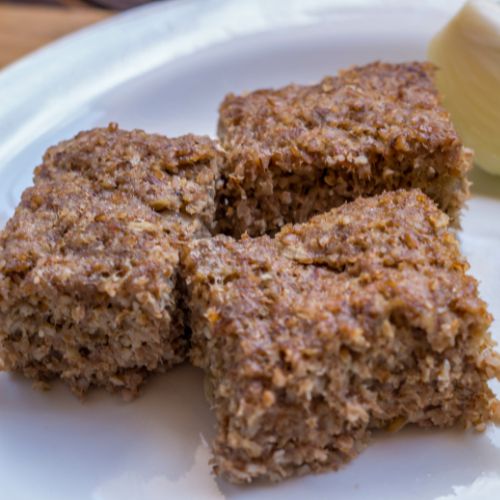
{"x": 467, "y": 51}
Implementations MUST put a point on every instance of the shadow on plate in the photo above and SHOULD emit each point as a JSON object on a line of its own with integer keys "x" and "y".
{"x": 484, "y": 184}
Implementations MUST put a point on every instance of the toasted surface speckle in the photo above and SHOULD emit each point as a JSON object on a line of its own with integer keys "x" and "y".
{"x": 175, "y": 177}
{"x": 301, "y": 150}
{"x": 89, "y": 286}
{"x": 362, "y": 318}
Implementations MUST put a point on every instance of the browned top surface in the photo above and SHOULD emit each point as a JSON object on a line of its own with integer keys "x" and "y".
{"x": 173, "y": 176}
{"x": 378, "y": 110}
{"x": 403, "y": 229}
{"x": 338, "y": 276}
{"x": 65, "y": 238}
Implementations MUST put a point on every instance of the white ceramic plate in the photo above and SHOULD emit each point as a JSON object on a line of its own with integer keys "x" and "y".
{"x": 165, "y": 68}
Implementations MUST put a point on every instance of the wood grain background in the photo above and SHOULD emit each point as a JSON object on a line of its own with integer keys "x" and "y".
{"x": 27, "y": 25}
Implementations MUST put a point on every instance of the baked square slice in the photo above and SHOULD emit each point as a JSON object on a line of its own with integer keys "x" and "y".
{"x": 362, "y": 318}
{"x": 89, "y": 288}
{"x": 175, "y": 177}
{"x": 302, "y": 149}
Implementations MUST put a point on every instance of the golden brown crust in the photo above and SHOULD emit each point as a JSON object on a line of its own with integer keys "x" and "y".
{"x": 361, "y": 318}
{"x": 173, "y": 176}
{"x": 88, "y": 263}
{"x": 301, "y": 150}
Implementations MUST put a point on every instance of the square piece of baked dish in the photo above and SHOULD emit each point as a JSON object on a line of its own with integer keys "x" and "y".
{"x": 300, "y": 150}
{"x": 362, "y": 318}
{"x": 89, "y": 288}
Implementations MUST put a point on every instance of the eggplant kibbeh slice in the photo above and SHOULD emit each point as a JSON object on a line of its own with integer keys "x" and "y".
{"x": 362, "y": 318}
{"x": 89, "y": 288}
{"x": 302, "y": 149}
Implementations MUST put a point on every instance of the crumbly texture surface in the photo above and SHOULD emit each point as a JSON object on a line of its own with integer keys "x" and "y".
{"x": 300, "y": 150}
{"x": 89, "y": 288}
{"x": 175, "y": 177}
{"x": 362, "y": 318}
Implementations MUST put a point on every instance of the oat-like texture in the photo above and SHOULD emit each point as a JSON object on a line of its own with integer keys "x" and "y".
{"x": 175, "y": 177}
{"x": 363, "y": 318}
{"x": 89, "y": 287}
{"x": 301, "y": 150}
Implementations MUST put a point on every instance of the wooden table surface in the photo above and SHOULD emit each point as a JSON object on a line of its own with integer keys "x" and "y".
{"x": 25, "y": 27}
